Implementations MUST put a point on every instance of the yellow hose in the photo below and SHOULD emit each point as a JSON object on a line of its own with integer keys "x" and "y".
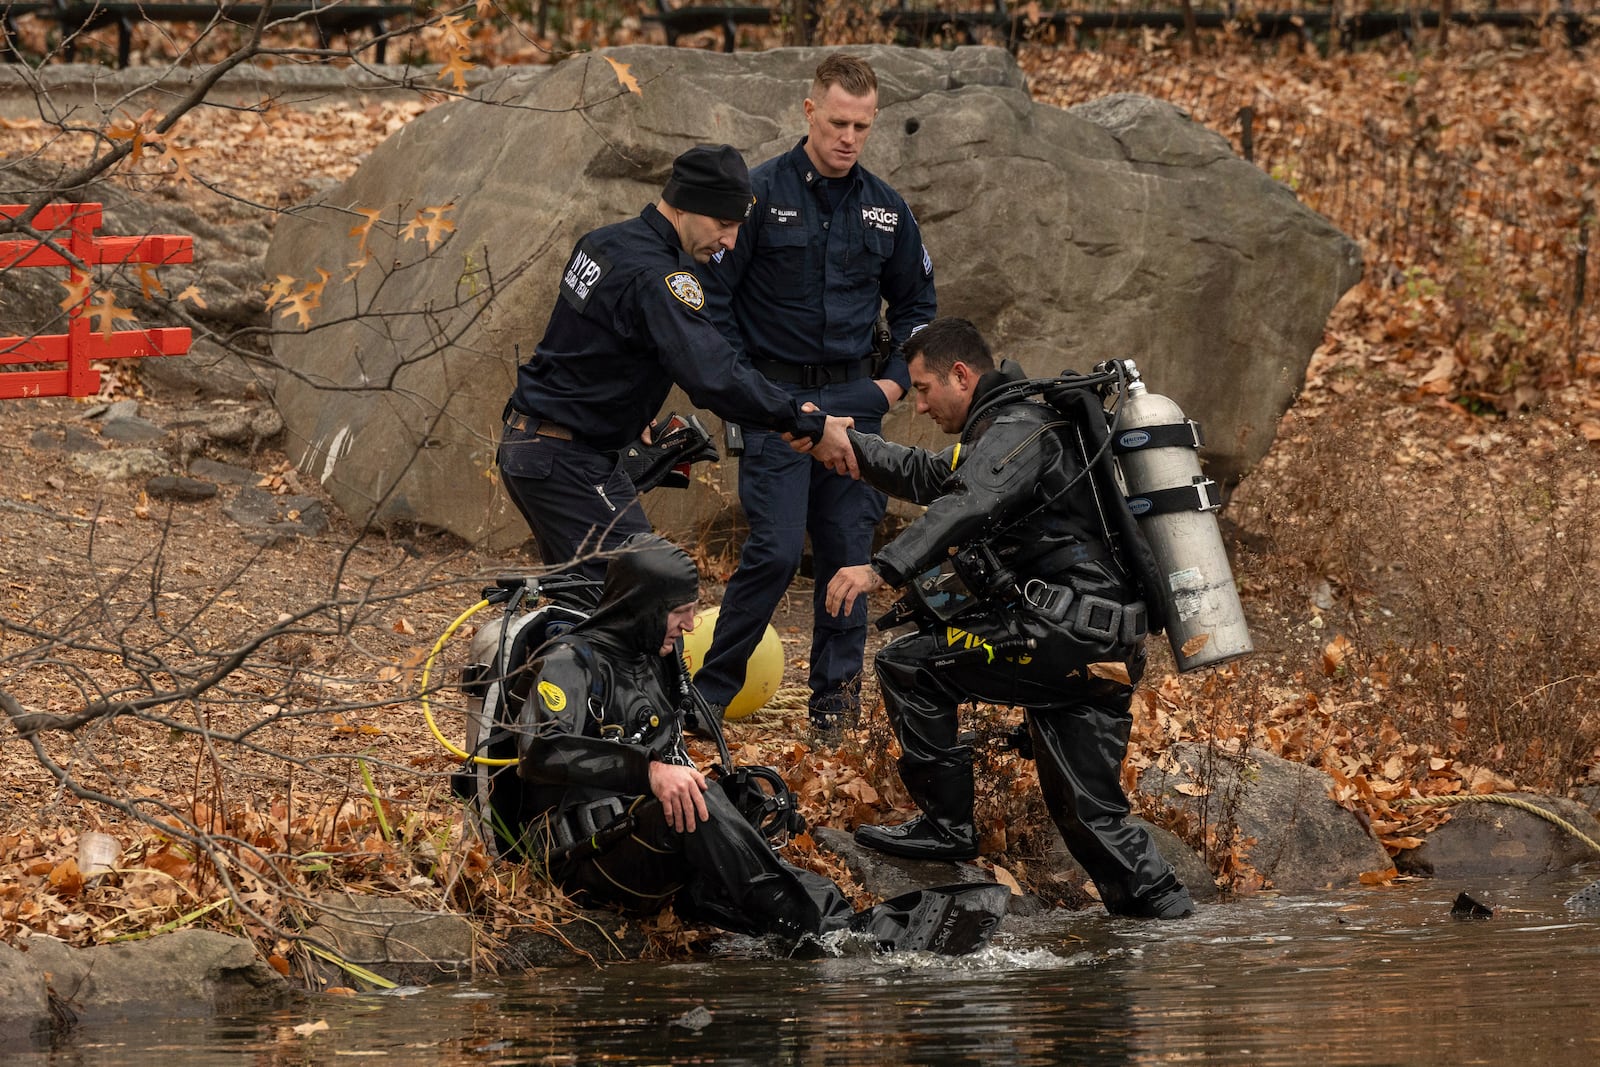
{"x": 427, "y": 709}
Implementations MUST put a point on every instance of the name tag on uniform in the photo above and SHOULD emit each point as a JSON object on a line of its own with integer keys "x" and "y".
{"x": 783, "y": 216}
{"x": 586, "y": 270}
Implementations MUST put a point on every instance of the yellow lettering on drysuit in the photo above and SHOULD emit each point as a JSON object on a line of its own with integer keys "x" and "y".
{"x": 954, "y": 635}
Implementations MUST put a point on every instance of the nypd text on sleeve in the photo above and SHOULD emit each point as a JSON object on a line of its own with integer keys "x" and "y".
{"x": 583, "y": 274}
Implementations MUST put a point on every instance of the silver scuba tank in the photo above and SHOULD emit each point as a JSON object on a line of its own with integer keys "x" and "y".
{"x": 1175, "y": 504}
{"x": 483, "y": 682}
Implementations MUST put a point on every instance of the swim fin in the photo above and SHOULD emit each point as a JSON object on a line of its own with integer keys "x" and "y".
{"x": 949, "y": 920}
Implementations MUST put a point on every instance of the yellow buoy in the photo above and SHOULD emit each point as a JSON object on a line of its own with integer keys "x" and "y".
{"x": 762, "y": 676}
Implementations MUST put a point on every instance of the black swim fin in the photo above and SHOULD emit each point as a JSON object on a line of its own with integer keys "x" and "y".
{"x": 950, "y": 920}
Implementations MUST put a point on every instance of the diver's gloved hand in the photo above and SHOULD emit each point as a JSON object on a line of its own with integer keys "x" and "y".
{"x": 664, "y": 454}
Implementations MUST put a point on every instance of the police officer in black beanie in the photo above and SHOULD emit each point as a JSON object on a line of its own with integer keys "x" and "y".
{"x": 630, "y": 323}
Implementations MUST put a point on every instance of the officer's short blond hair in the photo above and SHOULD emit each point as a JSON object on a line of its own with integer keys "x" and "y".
{"x": 851, "y": 73}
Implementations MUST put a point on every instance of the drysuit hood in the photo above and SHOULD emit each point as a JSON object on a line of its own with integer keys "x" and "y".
{"x": 1007, "y": 373}
{"x": 647, "y": 578}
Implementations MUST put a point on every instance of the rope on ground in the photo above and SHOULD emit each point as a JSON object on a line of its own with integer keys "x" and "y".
{"x": 788, "y": 698}
{"x": 1500, "y": 798}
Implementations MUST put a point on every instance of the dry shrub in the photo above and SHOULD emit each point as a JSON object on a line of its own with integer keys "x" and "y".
{"x": 1466, "y": 591}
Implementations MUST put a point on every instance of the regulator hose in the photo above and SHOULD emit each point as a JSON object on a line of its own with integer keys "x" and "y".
{"x": 427, "y": 708}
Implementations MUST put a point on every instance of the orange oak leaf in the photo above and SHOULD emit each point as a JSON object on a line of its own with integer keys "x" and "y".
{"x": 181, "y": 157}
{"x": 455, "y": 30}
{"x": 1334, "y": 653}
{"x": 107, "y": 313}
{"x": 625, "y": 77}
{"x": 77, "y": 288}
{"x": 363, "y": 229}
{"x": 192, "y": 294}
{"x": 300, "y": 305}
{"x": 432, "y": 222}
{"x": 148, "y": 282}
{"x": 307, "y": 300}
{"x": 357, "y": 266}
{"x": 457, "y": 69}
{"x": 278, "y": 291}
{"x": 130, "y": 131}
{"x": 314, "y": 289}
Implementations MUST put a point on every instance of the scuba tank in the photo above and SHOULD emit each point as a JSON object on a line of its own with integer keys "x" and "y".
{"x": 1155, "y": 447}
{"x": 490, "y": 681}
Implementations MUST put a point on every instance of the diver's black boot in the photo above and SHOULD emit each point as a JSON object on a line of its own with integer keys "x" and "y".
{"x": 951, "y": 920}
{"x": 1176, "y": 904}
{"x": 944, "y": 830}
{"x": 921, "y": 839}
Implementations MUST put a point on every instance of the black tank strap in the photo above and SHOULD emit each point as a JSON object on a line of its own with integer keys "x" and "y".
{"x": 1185, "y": 434}
{"x": 1201, "y": 496}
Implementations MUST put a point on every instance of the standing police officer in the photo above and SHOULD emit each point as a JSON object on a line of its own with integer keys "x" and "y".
{"x": 629, "y": 322}
{"x": 826, "y": 245}
{"x": 1009, "y": 489}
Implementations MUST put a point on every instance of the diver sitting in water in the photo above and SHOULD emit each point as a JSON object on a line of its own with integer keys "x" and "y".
{"x": 625, "y": 818}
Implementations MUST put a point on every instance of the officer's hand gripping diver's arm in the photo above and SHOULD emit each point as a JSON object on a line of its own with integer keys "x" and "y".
{"x": 833, "y": 449}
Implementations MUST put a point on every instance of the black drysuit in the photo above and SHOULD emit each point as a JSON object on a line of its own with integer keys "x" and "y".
{"x": 1011, "y": 482}
{"x": 603, "y": 705}
{"x": 606, "y": 704}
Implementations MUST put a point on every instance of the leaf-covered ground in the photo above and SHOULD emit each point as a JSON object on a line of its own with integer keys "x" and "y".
{"x": 1414, "y": 556}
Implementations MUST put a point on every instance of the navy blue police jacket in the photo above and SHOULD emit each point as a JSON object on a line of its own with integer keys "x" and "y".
{"x": 629, "y": 322}
{"x": 799, "y": 277}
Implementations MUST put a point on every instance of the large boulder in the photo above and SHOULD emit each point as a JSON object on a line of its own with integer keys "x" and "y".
{"x": 1118, "y": 228}
{"x": 1058, "y": 866}
{"x": 1297, "y": 836}
{"x": 188, "y": 972}
{"x": 887, "y": 876}
{"x": 24, "y": 1004}
{"x": 1505, "y": 834}
{"x": 392, "y": 938}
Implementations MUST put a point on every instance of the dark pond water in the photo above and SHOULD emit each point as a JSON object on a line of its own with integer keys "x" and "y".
{"x": 1371, "y": 976}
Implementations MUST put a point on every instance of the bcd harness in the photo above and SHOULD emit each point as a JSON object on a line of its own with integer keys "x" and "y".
{"x": 759, "y": 793}
{"x": 975, "y": 576}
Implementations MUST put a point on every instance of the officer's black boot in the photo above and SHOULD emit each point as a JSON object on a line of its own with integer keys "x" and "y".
{"x": 944, "y": 830}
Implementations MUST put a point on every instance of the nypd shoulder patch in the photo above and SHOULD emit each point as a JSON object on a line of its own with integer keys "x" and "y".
{"x": 686, "y": 287}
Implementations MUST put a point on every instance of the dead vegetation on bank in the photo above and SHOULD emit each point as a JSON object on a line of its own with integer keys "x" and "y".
{"x": 1416, "y": 557}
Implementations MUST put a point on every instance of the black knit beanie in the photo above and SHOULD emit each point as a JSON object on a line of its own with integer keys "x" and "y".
{"x": 710, "y": 180}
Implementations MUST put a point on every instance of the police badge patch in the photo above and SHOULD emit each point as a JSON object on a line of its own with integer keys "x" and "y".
{"x": 686, "y": 287}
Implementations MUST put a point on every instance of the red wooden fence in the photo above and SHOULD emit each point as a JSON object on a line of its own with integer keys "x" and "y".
{"x": 81, "y": 344}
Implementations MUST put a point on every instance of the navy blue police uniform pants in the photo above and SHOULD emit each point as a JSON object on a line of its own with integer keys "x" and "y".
{"x": 577, "y": 500}
{"x": 786, "y": 495}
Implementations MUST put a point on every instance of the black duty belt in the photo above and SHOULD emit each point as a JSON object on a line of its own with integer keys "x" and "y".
{"x": 813, "y": 375}
{"x": 516, "y": 420}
